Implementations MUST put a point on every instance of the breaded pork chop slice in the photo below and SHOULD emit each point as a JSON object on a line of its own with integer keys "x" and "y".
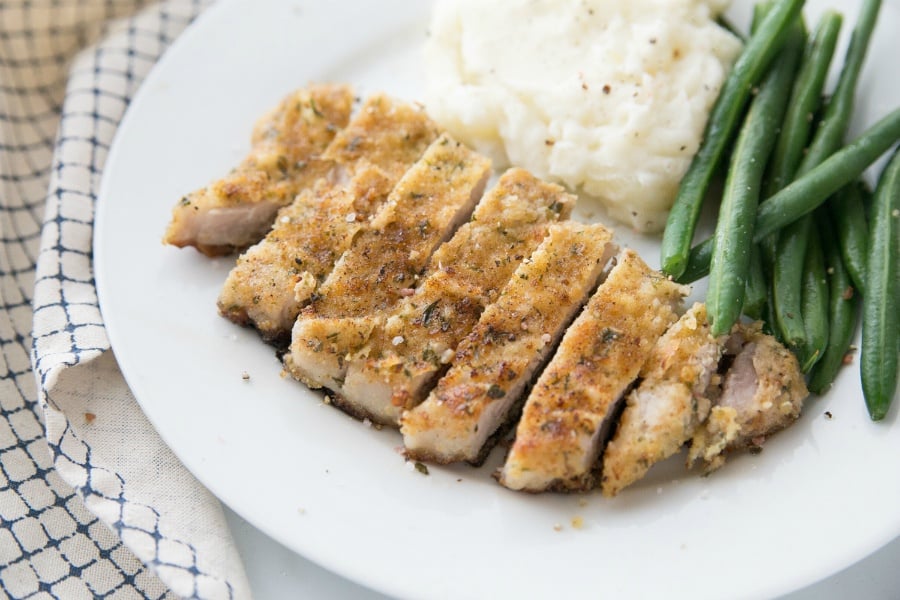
{"x": 386, "y": 259}
{"x": 762, "y": 393}
{"x": 494, "y": 364}
{"x": 570, "y": 412}
{"x": 237, "y": 210}
{"x": 673, "y": 398}
{"x": 273, "y": 279}
{"x": 414, "y": 345}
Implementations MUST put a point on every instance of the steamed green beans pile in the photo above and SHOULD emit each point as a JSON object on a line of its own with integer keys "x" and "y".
{"x": 800, "y": 242}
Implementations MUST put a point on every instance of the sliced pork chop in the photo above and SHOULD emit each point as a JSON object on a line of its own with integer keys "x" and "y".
{"x": 570, "y": 411}
{"x": 762, "y": 393}
{"x": 404, "y": 356}
{"x": 238, "y": 209}
{"x": 513, "y": 337}
{"x": 320, "y": 348}
{"x": 673, "y": 398}
{"x": 274, "y": 279}
{"x": 385, "y": 260}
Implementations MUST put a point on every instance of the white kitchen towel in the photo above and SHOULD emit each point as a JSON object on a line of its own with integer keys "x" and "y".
{"x": 86, "y": 484}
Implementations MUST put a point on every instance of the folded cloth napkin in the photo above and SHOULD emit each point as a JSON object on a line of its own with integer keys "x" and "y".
{"x": 92, "y": 502}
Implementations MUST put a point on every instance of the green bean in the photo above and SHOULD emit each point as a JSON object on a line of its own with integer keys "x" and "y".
{"x": 728, "y": 26}
{"x": 866, "y": 193}
{"x": 788, "y": 270}
{"x": 807, "y": 192}
{"x": 786, "y": 290}
{"x": 828, "y": 138}
{"x": 847, "y": 210}
{"x": 698, "y": 261}
{"x": 746, "y": 73}
{"x": 815, "y": 303}
{"x": 805, "y": 99}
{"x": 831, "y": 131}
{"x": 842, "y": 310}
{"x": 881, "y": 312}
{"x": 755, "y": 291}
{"x": 734, "y": 230}
{"x": 770, "y": 325}
{"x": 760, "y": 10}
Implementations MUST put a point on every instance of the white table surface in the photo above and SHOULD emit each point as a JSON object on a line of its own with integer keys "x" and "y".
{"x": 276, "y": 572}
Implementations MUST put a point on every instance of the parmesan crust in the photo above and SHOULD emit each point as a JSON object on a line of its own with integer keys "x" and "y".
{"x": 663, "y": 412}
{"x": 237, "y": 210}
{"x": 427, "y": 205}
{"x": 404, "y": 357}
{"x": 275, "y": 278}
{"x": 573, "y": 405}
{"x": 495, "y": 362}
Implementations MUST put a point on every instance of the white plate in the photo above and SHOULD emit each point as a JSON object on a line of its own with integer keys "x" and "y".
{"x": 822, "y": 495}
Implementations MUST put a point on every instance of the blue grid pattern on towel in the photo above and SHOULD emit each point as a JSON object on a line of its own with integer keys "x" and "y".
{"x": 51, "y": 546}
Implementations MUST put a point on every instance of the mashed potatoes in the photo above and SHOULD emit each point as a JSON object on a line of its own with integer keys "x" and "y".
{"x": 607, "y": 96}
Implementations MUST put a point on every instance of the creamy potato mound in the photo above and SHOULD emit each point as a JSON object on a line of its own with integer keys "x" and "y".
{"x": 608, "y": 97}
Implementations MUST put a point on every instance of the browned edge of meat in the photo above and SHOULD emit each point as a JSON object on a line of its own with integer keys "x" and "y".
{"x": 762, "y": 393}
{"x": 319, "y": 347}
{"x": 430, "y": 202}
{"x": 514, "y": 336}
{"x": 402, "y": 360}
{"x": 274, "y": 279}
{"x": 569, "y": 413}
{"x": 672, "y": 399}
{"x": 237, "y": 210}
